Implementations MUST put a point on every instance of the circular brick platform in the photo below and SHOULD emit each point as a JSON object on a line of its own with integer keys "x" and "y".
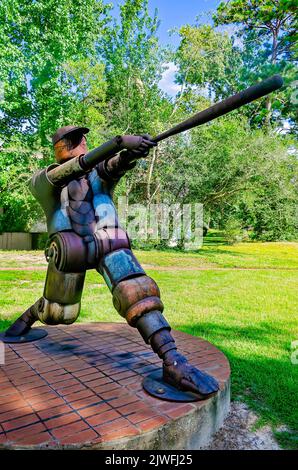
{"x": 80, "y": 387}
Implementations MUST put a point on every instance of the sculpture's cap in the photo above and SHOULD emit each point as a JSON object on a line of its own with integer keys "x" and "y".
{"x": 66, "y": 130}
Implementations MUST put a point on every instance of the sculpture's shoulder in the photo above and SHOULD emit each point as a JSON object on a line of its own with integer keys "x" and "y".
{"x": 42, "y": 188}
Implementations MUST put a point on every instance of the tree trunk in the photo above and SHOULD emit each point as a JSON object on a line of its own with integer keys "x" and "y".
{"x": 151, "y": 168}
{"x": 273, "y": 62}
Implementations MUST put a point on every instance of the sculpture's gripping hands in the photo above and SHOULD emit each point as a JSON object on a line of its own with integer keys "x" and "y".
{"x": 137, "y": 146}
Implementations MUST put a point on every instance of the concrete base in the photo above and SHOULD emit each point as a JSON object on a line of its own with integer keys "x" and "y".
{"x": 81, "y": 388}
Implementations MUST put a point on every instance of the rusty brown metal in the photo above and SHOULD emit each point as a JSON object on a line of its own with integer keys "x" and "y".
{"x": 68, "y": 131}
{"x": 110, "y": 239}
{"x": 135, "y": 297}
{"x": 162, "y": 342}
{"x": 20, "y": 331}
{"x": 142, "y": 307}
{"x": 23, "y": 324}
{"x": 63, "y": 174}
{"x": 68, "y": 252}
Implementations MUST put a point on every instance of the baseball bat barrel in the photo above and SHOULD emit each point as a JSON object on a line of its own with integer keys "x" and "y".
{"x": 223, "y": 107}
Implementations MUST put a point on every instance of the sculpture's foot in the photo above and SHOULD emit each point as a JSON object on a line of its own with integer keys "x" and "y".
{"x": 180, "y": 381}
{"x": 156, "y": 386}
{"x": 33, "y": 334}
{"x": 20, "y": 331}
{"x": 183, "y": 376}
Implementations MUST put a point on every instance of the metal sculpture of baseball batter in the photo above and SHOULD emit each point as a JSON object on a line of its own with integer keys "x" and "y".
{"x": 76, "y": 196}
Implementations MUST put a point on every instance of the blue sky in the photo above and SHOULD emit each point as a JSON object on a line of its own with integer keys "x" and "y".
{"x": 173, "y": 14}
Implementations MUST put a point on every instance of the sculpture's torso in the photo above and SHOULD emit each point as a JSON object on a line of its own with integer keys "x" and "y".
{"x": 80, "y": 208}
{"x": 84, "y": 205}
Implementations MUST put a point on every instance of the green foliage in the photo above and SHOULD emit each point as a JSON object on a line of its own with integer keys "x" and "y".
{"x": 239, "y": 174}
{"x": 233, "y": 231}
{"x": 287, "y": 440}
{"x": 89, "y": 95}
{"x": 37, "y": 40}
{"x": 49, "y": 79}
{"x": 268, "y": 29}
{"x": 133, "y": 67}
{"x": 20, "y": 209}
{"x": 88, "y": 69}
{"x": 208, "y": 59}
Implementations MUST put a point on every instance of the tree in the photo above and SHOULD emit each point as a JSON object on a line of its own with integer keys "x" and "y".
{"x": 37, "y": 40}
{"x": 269, "y": 32}
{"x": 89, "y": 88}
{"x": 239, "y": 174}
{"x": 40, "y": 41}
{"x": 21, "y": 210}
{"x": 208, "y": 60}
{"x": 133, "y": 66}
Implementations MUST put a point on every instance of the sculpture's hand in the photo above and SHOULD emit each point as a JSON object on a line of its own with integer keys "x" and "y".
{"x": 182, "y": 375}
{"x": 138, "y": 146}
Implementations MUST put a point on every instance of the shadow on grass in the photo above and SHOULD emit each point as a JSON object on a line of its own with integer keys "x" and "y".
{"x": 267, "y": 384}
{"x": 261, "y": 334}
{"x": 287, "y": 440}
{"x": 4, "y": 324}
{"x": 219, "y": 251}
{"x": 215, "y": 238}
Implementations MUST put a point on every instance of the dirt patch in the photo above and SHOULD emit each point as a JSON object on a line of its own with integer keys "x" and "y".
{"x": 237, "y": 432}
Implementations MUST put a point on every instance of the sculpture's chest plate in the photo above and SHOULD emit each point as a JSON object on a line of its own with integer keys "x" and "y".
{"x": 80, "y": 208}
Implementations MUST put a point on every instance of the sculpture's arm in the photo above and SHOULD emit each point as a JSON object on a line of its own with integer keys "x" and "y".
{"x": 116, "y": 166}
{"x": 136, "y": 146}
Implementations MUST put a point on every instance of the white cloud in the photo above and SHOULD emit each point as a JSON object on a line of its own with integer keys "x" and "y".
{"x": 167, "y": 83}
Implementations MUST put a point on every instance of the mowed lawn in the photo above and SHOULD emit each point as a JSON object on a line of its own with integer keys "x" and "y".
{"x": 242, "y": 298}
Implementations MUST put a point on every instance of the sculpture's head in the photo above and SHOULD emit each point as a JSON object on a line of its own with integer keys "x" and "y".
{"x": 69, "y": 142}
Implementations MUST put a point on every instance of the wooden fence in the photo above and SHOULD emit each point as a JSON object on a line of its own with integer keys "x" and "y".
{"x": 16, "y": 241}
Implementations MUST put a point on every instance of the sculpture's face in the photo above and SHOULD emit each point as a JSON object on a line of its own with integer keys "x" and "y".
{"x": 70, "y": 147}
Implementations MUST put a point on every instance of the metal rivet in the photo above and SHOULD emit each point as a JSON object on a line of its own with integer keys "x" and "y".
{"x": 160, "y": 391}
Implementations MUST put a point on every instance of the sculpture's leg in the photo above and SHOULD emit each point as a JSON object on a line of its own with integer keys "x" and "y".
{"x": 136, "y": 297}
{"x": 20, "y": 331}
{"x": 59, "y": 304}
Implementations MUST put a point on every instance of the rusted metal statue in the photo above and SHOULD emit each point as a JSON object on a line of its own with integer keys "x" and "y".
{"x": 76, "y": 196}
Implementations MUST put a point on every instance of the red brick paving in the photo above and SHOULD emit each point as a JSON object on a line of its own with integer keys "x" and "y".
{"x": 72, "y": 388}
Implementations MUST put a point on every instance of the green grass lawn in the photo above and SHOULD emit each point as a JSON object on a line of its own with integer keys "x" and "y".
{"x": 242, "y": 298}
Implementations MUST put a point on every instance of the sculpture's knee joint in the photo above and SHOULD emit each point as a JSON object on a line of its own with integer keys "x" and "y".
{"x": 110, "y": 239}
{"x": 133, "y": 298}
{"x": 68, "y": 252}
{"x": 53, "y": 313}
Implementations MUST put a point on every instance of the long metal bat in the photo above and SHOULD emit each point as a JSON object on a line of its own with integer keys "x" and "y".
{"x": 79, "y": 165}
{"x": 223, "y": 107}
